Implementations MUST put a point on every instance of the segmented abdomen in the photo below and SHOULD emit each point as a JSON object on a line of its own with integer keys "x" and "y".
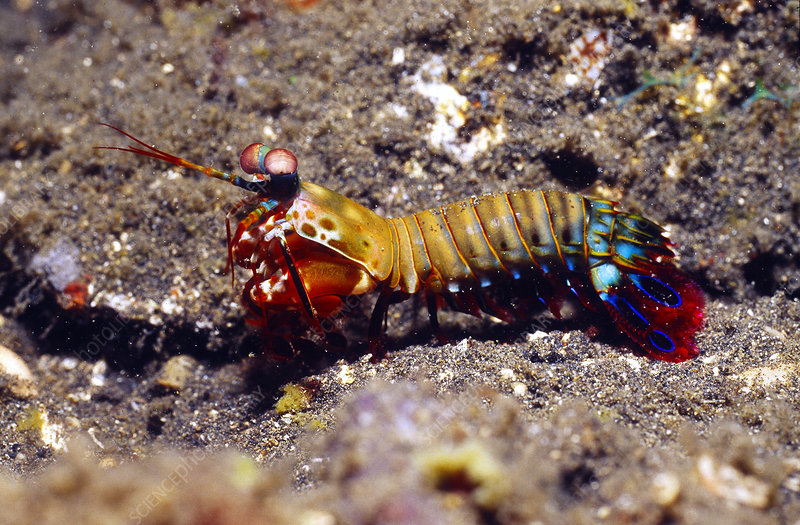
{"x": 500, "y": 253}
{"x": 470, "y": 244}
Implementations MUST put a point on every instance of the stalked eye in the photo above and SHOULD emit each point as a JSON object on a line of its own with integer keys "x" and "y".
{"x": 280, "y": 161}
{"x": 661, "y": 341}
{"x": 252, "y": 158}
{"x": 657, "y": 290}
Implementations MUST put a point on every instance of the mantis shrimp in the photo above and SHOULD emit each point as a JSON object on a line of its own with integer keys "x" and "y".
{"x": 308, "y": 249}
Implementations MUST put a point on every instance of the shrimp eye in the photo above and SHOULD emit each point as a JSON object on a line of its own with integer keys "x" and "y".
{"x": 280, "y": 161}
{"x": 252, "y": 158}
{"x": 275, "y": 171}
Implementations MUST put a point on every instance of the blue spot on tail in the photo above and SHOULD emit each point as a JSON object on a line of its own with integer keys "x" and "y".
{"x": 657, "y": 290}
{"x": 661, "y": 341}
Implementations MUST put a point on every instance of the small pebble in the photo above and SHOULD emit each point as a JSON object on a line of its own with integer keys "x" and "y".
{"x": 519, "y": 388}
{"x": 20, "y": 383}
{"x": 345, "y": 375}
{"x": 176, "y": 372}
{"x": 99, "y": 370}
{"x": 666, "y": 488}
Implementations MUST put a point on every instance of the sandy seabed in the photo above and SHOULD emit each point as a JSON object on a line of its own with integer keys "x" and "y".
{"x": 146, "y": 401}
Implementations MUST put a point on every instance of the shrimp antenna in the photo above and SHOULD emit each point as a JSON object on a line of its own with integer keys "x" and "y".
{"x": 153, "y": 152}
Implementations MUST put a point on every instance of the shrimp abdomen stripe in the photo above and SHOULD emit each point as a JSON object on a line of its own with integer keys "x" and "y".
{"x": 534, "y": 225}
{"x": 469, "y": 238}
{"x": 500, "y": 229}
{"x": 407, "y": 275}
{"x": 447, "y": 265}
{"x": 568, "y": 218}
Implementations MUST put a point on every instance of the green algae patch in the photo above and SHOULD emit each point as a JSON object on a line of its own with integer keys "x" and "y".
{"x": 32, "y": 421}
{"x": 295, "y": 399}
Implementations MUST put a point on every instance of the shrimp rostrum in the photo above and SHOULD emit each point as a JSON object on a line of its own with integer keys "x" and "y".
{"x": 308, "y": 249}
